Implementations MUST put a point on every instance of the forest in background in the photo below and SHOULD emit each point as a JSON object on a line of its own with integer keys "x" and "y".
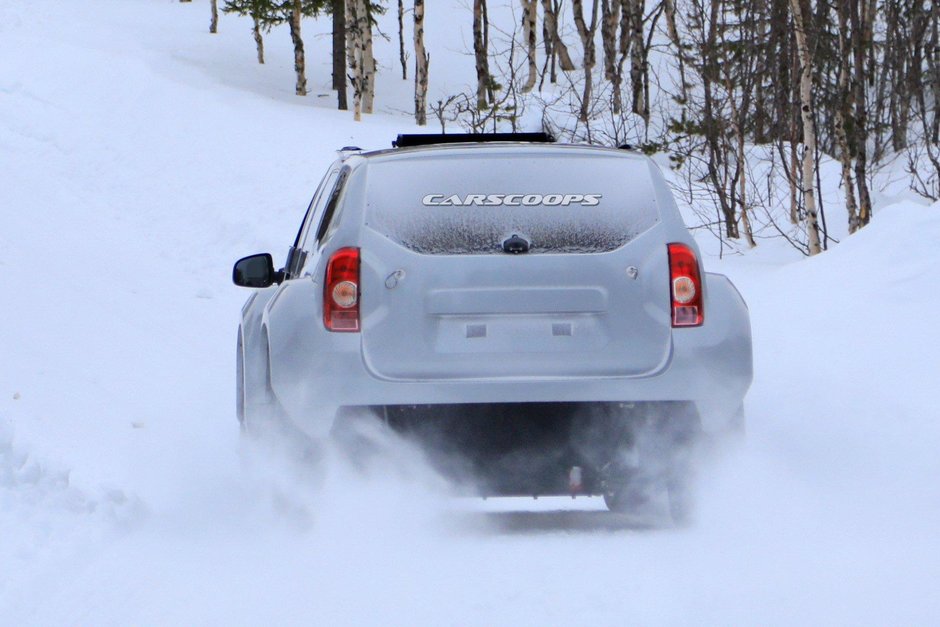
{"x": 748, "y": 99}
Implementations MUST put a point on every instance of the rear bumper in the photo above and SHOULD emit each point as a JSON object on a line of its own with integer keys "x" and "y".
{"x": 709, "y": 365}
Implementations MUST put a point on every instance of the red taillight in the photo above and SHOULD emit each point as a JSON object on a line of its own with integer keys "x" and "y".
{"x": 341, "y": 291}
{"x": 685, "y": 287}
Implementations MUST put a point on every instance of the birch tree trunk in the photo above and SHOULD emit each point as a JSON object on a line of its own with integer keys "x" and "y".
{"x": 860, "y": 42}
{"x": 933, "y": 65}
{"x": 214, "y": 20}
{"x": 354, "y": 55}
{"x": 401, "y": 40}
{"x": 481, "y": 55}
{"x": 842, "y": 114}
{"x": 296, "y": 15}
{"x": 794, "y": 152}
{"x": 558, "y": 45}
{"x": 586, "y": 32}
{"x": 638, "y": 61}
{"x": 809, "y": 131}
{"x": 422, "y": 61}
{"x": 529, "y": 22}
{"x": 368, "y": 59}
{"x": 610, "y": 23}
{"x": 623, "y": 51}
{"x": 259, "y": 40}
{"x": 550, "y": 55}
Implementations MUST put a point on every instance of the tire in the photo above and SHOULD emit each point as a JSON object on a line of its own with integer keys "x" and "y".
{"x": 240, "y": 381}
{"x": 261, "y": 414}
{"x": 681, "y": 501}
{"x": 626, "y": 499}
{"x": 664, "y": 436}
{"x": 357, "y": 432}
{"x": 264, "y": 421}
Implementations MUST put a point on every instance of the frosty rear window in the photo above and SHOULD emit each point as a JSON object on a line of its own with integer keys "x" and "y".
{"x": 460, "y": 204}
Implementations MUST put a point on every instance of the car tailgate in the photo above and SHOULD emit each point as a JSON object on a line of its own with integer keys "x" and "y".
{"x": 447, "y": 317}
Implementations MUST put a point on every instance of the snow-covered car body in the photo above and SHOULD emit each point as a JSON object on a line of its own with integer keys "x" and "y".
{"x": 494, "y": 273}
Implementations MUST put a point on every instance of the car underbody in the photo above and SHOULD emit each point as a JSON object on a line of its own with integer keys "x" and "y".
{"x": 542, "y": 449}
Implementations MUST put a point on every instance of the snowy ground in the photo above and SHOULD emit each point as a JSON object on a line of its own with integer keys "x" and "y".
{"x": 139, "y": 157}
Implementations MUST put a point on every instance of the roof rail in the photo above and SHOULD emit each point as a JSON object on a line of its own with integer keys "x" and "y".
{"x": 347, "y": 151}
{"x": 405, "y": 141}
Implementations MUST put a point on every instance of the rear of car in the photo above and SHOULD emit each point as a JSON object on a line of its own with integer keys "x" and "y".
{"x": 463, "y": 308}
{"x": 509, "y": 295}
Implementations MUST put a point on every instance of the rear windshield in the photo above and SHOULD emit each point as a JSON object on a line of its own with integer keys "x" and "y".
{"x": 470, "y": 204}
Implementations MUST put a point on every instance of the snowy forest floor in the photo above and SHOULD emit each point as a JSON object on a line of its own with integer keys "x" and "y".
{"x": 139, "y": 157}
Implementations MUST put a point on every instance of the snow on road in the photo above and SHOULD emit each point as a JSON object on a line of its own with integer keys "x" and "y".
{"x": 139, "y": 157}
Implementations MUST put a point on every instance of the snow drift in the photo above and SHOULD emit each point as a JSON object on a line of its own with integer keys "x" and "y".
{"x": 154, "y": 155}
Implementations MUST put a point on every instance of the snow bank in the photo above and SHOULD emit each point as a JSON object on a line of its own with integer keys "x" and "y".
{"x": 154, "y": 155}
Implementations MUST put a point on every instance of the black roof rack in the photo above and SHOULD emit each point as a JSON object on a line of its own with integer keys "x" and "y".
{"x": 405, "y": 141}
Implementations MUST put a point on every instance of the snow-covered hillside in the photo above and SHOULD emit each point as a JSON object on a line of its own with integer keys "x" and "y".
{"x": 139, "y": 157}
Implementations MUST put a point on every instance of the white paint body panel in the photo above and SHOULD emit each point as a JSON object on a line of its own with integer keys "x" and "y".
{"x": 477, "y": 328}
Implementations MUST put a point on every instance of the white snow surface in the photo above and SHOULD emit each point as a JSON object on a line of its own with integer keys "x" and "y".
{"x": 140, "y": 156}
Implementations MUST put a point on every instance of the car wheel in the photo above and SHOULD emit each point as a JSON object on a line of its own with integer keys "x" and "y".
{"x": 260, "y": 412}
{"x": 663, "y": 438}
{"x": 358, "y": 432}
{"x": 240, "y": 381}
{"x": 681, "y": 502}
{"x": 626, "y": 499}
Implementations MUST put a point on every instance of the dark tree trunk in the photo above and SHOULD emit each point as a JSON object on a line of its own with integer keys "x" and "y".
{"x": 481, "y": 54}
{"x": 860, "y": 42}
{"x": 401, "y": 40}
{"x": 638, "y": 61}
{"x": 586, "y": 32}
{"x": 214, "y": 20}
{"x": 339, "y": 53}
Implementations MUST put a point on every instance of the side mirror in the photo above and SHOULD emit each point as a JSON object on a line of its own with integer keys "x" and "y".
{"x": 255, "y": 271}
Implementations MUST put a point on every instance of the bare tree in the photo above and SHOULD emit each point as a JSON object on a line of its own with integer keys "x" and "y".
{"x": 809, "y": 130}
{"x": 339, "y": 53}
{"x": 529, "y": 21}
{"x": 860, "y": 17}
{"x": 669, "y": 7}
{"x": 354, "y": 53}
{"x": 587, "y": 31}
{"x": 613, "y": 72}
{"x": 402, "y": 57}
{"x": 550, "y": 11}
{"x": 638, "y": 72}
{"x": 368, "y": 58}
{"x": 481, "y": 54}
{"x": 214, "y": 19}
{"x": 842, "y": 114}
{"x": 422, "y": 62}
{"x": 299, "y": 65}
